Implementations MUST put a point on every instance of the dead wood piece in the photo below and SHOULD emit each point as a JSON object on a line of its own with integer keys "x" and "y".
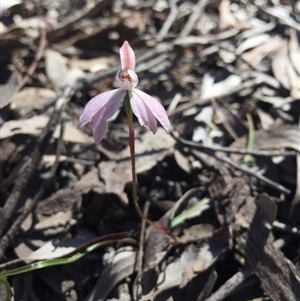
{"x": 277, "y": 274}
{"x": 208, "y": 287}
{"x": 230, "y": 285}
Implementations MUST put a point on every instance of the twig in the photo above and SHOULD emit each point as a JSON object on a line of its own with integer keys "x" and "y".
{"x": 170, "y": 20}
{"x": 230, "y": 285}
{"x": 247, "y": 171}
{"x": 38, "y": 56}
{"x": 198, "y": 9}
{"x": 15, "y": 173}
{"x": 216, "y": 148}
{"x": 286, "y": 228}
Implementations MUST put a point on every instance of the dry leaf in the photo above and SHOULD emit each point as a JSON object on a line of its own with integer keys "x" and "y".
{"x": 121, "y": 267}
{"x": 8, "y": 91}
{"x": 33, "y": 98}
{"x": 284, "y": 70}
{"x": 35, "y": 125}
{"x": 224, "y": 87}
{"x": 58, "y": 71}
{"x": 251, "y": 43}
{"x": 182, "y": 270}
{"x": 93, "y": 65}
{"x": 56, "y": 67}
{"x": 31, "y": 126}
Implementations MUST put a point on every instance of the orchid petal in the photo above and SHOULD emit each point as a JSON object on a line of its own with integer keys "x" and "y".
{"x": 142, "y": 112}
{"x": 127, "y": 56}
{"x": 100, "y": 126}
{"x": 143, "y": 104}
{"x": 99, "y": 102}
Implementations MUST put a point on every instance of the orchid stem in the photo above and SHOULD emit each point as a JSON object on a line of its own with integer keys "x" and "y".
{"x": 133, "y": 171}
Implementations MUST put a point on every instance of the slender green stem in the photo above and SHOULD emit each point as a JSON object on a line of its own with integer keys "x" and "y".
{"x": 7, "y": 287}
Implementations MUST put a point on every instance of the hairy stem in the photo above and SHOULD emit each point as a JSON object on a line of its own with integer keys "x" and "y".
{"x": 133, "y": 171}
{"x": 132, "y": 156}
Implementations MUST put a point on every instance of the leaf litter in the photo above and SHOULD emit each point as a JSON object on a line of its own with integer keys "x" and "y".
{"x": 213, "y": 65}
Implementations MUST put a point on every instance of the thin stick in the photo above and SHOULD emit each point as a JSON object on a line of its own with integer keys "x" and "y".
{"x": 224, "y": 149}
{"x": 250, "y": 172}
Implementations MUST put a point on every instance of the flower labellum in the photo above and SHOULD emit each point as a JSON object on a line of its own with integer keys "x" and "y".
{"x": 103, "y": 106}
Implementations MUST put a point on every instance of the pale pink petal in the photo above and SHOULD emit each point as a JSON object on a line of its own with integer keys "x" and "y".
{"x": 100, "y": 127}
{"x": 97, "y": 103}
{"x": 142, "y": 112}
{"x": 100, "y": 119}
{"x": 127, "y": 56}
{"x": 129, "y": 82}
{"x": 153, "y": 105}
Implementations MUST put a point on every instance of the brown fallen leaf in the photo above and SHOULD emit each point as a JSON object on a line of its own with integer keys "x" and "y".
{"x": 294, "y": 50}
{"x": 32, "y": 98}
{"x": 34, "y": 126}
{"x": 279, "y": 137}
{"x": 252, "y": 42}
{"x": 30, "y": 126}
{"x": 266, "y": 261}
{"x": 93, "y": 65}
{"x": 58, "y": 71}
{"x": 224, "y": 87}
{"x": 255, "y": 56}
{"x": 9, "y": 90}
{"x": 122, "y": 266}
{"x": 182, "y": 270}
{"x": 283, "y": 66}
{"x": 55, "y": 224}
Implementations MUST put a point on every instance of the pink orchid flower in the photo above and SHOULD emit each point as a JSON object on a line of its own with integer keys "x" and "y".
{"x": 103, "y": 106}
